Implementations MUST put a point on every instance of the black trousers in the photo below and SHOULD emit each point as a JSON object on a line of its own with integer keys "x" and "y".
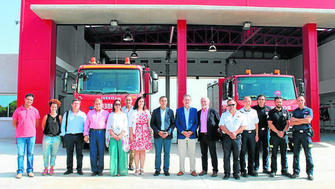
{"x": 303, "y": 139}
{"x": 229, "y": 145}
{"x": 71, "y": 141}
{"x": 205, "y": 144}
{"x": 262, "y": 144}
{"x": 275, "y": 142}
{"x": 248, "y": 145}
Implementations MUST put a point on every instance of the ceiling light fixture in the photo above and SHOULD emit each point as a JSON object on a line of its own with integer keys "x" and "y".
{"x": 275, "y": 56}
{"x": 212, "y": 47}
{"x": 114, "y": 23}
{"x": 134, "y": 55}
{"x": 128, "y": 36}
{"x": 246, "y": 25}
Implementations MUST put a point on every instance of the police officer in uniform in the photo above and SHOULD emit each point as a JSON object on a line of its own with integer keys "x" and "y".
{"x": 249, "y": 138}
{"x": 302, "y": 135}
{"x": 263, "y": 133}
{"x": 278, "y": 122}
{"x": 232, "y": 124}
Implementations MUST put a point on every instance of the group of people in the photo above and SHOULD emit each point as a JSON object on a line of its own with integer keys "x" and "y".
{"x": 127, "y": 130}
{"x": 247, "y": 131}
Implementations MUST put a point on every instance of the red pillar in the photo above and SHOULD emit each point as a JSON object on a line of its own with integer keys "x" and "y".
{"x": 311, "y": 75}
{"x": 182, "y": 60}
{"x": 37, "y": 56}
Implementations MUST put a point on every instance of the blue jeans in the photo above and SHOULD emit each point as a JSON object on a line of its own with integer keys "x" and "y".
{"x": 166, "y": 145}
{"x": 50, "y": 149}
{"x": 22, "y": 144}
{"x": 97, "y": 150}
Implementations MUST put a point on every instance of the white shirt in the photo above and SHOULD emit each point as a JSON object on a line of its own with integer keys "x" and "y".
{"x": 251, "y": 118}
{"x": 128, "y": 113}
{"x": 117, "y": 123}
{"x": 232, "y": 123}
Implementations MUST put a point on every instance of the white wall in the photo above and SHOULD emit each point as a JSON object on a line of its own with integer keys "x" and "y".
{"x": 197, "y": 88}
{"x": 326, "y": 67}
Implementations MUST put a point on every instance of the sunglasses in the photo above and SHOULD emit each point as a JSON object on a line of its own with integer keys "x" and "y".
{"x": 231, "y": 104}
{"x": 117, "y": 104}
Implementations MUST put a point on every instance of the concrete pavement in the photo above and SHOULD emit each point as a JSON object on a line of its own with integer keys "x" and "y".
{"x": 323, "y": 156}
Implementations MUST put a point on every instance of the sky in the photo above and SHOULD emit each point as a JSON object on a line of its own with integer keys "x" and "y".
{"x": 9, "y": 33}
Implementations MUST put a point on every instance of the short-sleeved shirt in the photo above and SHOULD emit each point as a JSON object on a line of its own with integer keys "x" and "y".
{"x": 251, "y": 118}
{"x": 75, "y": 123}
{"x": 262, "y": 113}
{"x": 26, "y": 121}
{"x": 300, "y": 114}
{"x": 279, "y": 119}
{"x": 232, "y": 123}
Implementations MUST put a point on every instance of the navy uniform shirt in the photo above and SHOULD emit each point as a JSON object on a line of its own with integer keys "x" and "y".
{"x": 262, "y": 113}
{"x": 278, "y": 118}
{"x": 300, "y": 114}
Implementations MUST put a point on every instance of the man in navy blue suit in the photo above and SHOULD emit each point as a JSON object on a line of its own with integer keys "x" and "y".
{"x": 187, "y": 123}
{"x": 162, "y": 123}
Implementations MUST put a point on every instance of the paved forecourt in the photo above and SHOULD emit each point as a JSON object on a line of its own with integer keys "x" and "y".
{"x": 323, "y": 157}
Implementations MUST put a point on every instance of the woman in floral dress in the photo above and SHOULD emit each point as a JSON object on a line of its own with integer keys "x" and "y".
{"x": 140, "y": 135}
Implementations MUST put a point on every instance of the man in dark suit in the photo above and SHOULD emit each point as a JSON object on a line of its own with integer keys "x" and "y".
{"x": 208, "y": 125}
{"x": 186, "y": 123}
{"x": 162, "y": 123}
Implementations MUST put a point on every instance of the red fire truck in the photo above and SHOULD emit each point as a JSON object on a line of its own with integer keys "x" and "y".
{"x": 239, "y": 86}
{"x": 113, "y": 81}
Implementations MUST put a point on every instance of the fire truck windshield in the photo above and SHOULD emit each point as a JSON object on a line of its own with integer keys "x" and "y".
{"x": 109, "y": 81}
{"x": 268, "y": 86}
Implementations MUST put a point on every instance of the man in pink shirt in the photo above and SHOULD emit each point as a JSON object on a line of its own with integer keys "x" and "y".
{"x": 25, "y": 120}
{"x": 94, "y": 133}
{"x": 208, "y": 132}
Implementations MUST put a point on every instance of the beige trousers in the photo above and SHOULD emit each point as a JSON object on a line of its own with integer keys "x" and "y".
{"x": 186, "y": 146}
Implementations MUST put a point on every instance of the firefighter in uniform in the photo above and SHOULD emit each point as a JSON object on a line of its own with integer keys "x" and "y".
{"x": 278, "y": 122}
{"x": 249, "y": 138}
{"x": 263, "y": 133}
{"x": 302, "y": 135}
{"x": 232, "y": 124}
